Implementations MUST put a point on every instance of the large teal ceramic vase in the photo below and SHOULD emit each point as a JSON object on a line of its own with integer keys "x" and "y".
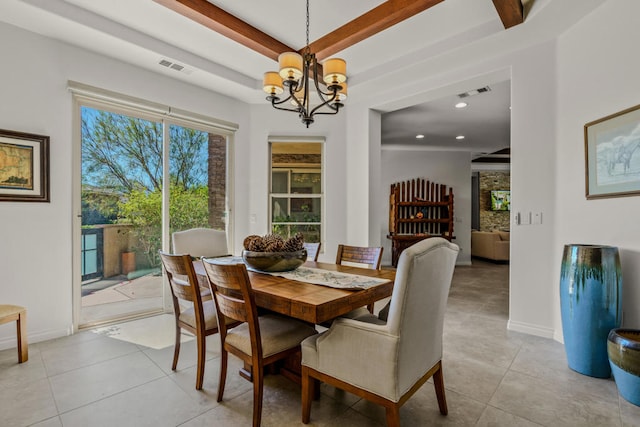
{"x": 590, "y": 304}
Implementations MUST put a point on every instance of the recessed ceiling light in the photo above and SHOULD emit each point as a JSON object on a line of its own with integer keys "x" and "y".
{"x": 461, "y": 104}
{"x": 460, "y": 137}
{"x": 419, "y": 136}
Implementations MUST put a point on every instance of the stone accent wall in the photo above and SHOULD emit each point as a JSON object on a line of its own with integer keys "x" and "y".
{"x": 493, "y": 220}
{"x": 297, "y": 158}
{"x": 217, "y": 180}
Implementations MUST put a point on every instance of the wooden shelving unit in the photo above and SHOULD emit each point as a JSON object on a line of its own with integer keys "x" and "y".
{"x": 418, "y": 209}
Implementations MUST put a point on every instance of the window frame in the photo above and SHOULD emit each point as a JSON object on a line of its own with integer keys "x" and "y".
{"x": 297, "y": 169}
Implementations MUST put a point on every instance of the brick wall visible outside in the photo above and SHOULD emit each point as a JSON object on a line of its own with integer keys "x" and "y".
{"x": 217, "y": 180}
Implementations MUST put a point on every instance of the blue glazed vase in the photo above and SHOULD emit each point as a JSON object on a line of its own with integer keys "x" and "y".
{"x": 590, "y": 305}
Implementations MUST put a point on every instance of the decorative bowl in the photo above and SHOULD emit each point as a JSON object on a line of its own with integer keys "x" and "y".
{"x": 273, "y": 262}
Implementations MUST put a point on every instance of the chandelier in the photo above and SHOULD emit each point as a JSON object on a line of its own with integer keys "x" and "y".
{"x": 294, "y": 77}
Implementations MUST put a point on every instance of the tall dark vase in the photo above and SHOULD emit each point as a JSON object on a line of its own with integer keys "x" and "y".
{"x": 590, "y": 304}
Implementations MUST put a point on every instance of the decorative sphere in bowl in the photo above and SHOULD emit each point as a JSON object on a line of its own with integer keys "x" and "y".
{"x": 273, "y": 262}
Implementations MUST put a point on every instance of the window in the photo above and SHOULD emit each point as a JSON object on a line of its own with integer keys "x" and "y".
{"x": 296, "y": 197}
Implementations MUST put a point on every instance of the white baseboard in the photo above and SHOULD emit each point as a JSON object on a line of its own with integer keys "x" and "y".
{"x": 11, "y": 342}
{"x": 527, "y": 328}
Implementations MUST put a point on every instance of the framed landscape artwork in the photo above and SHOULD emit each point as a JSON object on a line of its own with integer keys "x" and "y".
{"x": 24, "y": 167}
{"x": 612, "y": 155}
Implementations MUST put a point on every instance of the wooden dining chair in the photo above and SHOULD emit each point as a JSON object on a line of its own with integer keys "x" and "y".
{"x": 313, "y": 250}
{"x": 371, "y": 256}
{"x": 18, "y": 314}
{"x": 387, "y": 360}
{"x": 199, "y": 317}
{"x": 257, "y": 341}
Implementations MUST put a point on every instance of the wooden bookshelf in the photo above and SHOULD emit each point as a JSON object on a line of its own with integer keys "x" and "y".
{"x": 418, "y": 209}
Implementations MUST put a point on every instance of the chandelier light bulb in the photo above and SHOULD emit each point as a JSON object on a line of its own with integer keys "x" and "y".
{"x": 272, "y": 83}
{"x": 290, "y": 66}
{"x": 335, "y": 71}
{"x": 299, "y": 95}
{"x": 342, "y": 93}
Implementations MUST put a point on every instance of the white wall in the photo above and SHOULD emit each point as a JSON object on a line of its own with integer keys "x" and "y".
{"x": 598, "y": 69}
{"x": 36, "y": 238}
{"x": 452, "y": 168}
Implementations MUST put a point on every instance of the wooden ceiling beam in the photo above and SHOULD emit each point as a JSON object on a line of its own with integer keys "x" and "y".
{"x": 511, "y": 12}
{"x": 228, "y": 25}
{"x": 376, "y": 20}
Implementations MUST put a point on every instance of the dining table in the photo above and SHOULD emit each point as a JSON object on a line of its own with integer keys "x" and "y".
{"x": 311, "y": 302}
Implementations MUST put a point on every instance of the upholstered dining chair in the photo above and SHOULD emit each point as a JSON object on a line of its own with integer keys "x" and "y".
{"x": 200, "y": 242}
{"x": 386, "y": 362}
{"x": 18, "y": 314}
{"x": 257, "y": 341}
{"x": 191, "y": 312}
{"x": 313, "y": 250}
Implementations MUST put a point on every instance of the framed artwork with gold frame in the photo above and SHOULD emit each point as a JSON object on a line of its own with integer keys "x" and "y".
{"x": 24, "y": 167}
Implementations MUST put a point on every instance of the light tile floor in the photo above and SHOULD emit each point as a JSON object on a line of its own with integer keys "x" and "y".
{"x": 120, "y": 376}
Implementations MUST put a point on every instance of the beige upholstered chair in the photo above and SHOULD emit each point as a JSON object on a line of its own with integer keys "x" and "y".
{"x": 313, "y": 250}
{"x": 386, "y": 362}
{"x": 257, "y": 341}
{"x": 191, "y": 312}
{"x": 200, "y": 242}
{"x": 18, "y": 314}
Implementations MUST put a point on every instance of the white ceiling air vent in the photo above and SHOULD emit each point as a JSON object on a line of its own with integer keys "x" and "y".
{"x": 474, "y": 92}
{"x": 174, "y": 66}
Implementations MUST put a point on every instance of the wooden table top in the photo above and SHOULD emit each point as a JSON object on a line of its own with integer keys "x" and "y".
{"x": 315, "y": 303}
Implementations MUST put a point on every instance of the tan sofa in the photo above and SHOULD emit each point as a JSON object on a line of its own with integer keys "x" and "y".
{"x": 493, "y": 245}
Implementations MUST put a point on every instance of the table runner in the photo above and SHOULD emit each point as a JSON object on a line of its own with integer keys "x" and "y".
{"x": 317, "y": 276}
{"x": 333, "y": 279}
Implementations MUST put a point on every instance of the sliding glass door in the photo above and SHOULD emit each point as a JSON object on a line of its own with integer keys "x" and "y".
{"x": 123, "y": 184}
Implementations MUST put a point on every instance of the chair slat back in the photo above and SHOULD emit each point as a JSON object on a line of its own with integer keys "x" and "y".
{"x": 179, "y": 268}
{"x": 313, "y": 250}
{"x": 231, "y": 288}
{"x": 371, "y": 256}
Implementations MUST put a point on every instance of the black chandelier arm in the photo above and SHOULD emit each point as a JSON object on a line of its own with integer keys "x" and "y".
{"x": 334, "y": 107}
{"x": 275, "y": 105}
{"x": 327, "y": 102}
